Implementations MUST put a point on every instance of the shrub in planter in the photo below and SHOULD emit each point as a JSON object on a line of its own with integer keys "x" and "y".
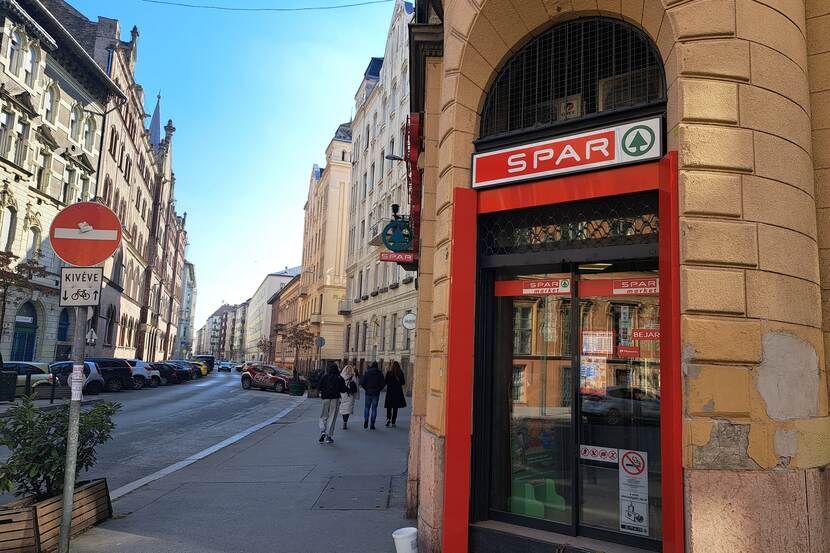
{"x": 37, "y": 443}
{"x": 314, "y": 381}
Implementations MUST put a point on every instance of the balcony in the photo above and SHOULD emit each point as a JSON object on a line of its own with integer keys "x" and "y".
{"x": 345, "y": 307}
{"x": 376, "y": 232}
{"x": 316, "y": 318}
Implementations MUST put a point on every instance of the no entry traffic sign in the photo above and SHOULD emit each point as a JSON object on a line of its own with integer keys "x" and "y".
{"x": 85, "y": 234}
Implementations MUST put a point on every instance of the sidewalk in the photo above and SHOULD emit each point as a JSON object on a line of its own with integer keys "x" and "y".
{"x": 44, "y": 404}
{"x": 275, "y": 491}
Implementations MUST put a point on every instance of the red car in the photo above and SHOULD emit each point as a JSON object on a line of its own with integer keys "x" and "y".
{"x": 267, "y": 377}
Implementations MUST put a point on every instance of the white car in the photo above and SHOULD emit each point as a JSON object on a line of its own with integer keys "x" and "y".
{"x": 144, "y": 374}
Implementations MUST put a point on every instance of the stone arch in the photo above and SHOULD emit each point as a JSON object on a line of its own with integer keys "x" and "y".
{"x": 475, "y": 49}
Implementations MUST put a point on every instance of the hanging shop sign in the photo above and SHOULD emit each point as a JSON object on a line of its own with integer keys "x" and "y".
{"x": 598, "y": 149}
{"x": 397, "y": 236}
{"x": 397, "y": 257}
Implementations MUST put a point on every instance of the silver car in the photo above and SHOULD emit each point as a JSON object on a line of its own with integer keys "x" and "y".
{"x": 94, "y": 383}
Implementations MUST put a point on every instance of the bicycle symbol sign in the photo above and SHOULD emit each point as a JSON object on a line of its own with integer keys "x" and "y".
{"x": 81, "y": 286}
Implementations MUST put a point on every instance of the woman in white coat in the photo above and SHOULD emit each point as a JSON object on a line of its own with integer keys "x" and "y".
{"x": 352, "y": 394}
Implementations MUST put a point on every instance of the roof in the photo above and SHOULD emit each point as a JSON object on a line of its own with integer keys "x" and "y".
{"x": 373, "y": 70}
{"x": 155, "y": 125}
{"x": 344, "y": 132}
{"x": 57, "y": 28}
{"x": 292, "y": 272}
{"x": 279, "y": 292}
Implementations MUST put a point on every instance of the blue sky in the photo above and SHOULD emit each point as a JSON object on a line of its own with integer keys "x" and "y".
{"x": 255, "y": 99}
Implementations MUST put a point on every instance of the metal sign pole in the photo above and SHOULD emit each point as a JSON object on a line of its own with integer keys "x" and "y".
{"x": 76, "y": 382}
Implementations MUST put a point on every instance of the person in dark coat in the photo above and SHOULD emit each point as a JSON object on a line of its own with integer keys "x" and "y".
{"x": 330, "y": 386}
{"x": 373, "y": 383}
{"x": 395, "y": 399}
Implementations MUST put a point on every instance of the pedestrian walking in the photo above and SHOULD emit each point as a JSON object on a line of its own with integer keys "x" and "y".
{"x": 373, "y": 383}
{"x": 331, "y": 386}
{"x": 395, "y": 399}
{"x": 350, "y": 396}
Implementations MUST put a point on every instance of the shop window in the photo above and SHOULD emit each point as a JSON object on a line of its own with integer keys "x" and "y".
{"x": 575, "y": 70}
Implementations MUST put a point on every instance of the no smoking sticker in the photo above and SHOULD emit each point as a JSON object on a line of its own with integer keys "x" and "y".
{"x": 633, "y": 477}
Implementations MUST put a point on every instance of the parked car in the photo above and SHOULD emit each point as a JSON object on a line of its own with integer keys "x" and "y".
{"x": 39, "y": 371}
{"x": 266, "y": 377}
{"x": 208, "y": 360}
{"x": 195, "y": 368}
{"x": 117, "y": 373}
{"x": 241, "y": 366}
{"x": 224, "y": 366}
{"x": 143, "y": 374}
{"x": 621, "y": 405}
{"x": 203, "y": 367}
{"x": 94, "y": 383}
{"x": 171, "y": 374}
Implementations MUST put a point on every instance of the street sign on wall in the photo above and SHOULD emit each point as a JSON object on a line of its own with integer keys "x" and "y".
{"x": 85, "y": 234}
{"x": 81, "y": 286}
{"x": 597, "y": 149}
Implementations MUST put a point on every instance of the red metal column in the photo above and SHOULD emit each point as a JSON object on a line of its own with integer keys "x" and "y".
{"x": 459, "y": 392}
{"x": 671, "y": 396}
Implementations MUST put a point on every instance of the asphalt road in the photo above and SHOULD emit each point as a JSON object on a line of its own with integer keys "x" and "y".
{"x": 157, "y": 427}
{"x": 160, "y": 426}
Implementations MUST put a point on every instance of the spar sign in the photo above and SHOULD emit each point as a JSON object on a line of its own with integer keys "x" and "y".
{"x": 597, "y": 149}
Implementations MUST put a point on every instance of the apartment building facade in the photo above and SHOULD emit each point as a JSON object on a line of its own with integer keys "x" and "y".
{"x": 258, "y": 346}
{"x": 187, "y": 311}
{"x": 379, "y": 294}
{"x": 323, "y": 281}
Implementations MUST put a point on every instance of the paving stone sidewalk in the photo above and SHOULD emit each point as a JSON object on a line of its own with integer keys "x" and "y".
{"x": 275, "y": 491}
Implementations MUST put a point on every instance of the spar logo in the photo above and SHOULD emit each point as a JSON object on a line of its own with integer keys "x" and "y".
{"x": 638, "y": 141}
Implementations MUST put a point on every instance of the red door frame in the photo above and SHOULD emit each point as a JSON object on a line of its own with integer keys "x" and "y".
{"x": 468, "y": 204}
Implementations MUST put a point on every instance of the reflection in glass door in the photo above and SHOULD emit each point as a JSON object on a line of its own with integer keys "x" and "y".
{"x": 619, "y": 393}
{"x": 533, "y": 413}
{"x": 575, "y": 403}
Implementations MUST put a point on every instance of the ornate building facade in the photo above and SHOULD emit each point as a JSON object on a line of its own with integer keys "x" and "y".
{"x": 52, "y": 102}
{"x": 379, "y": 294}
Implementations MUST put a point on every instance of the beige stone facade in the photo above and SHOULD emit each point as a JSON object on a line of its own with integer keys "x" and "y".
{"x": 323, "y": 278}
{"x": 747, "y": 103}
{"x": 379, "y": 294}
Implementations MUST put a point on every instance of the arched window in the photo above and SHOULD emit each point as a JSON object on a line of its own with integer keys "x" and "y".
{"x": 118, "y": 268}
{"x": 7, "y": 228}
{"x": 582, "y": 68}
{"x": 33, "y": 245}
{"x": 109, "y": 335}
{"x": 15, "y": 44}
{"x": 64, "y": 322}
{"x": 89, "y": 134}
{"x": 50, "y": 104}
{"x": 75, "y": 123}
{"x": 30, "y": 67}
{"x": 108, "y": 191}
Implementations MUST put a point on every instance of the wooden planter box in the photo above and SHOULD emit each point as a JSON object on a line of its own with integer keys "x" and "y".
{"x": 27, "y": 527}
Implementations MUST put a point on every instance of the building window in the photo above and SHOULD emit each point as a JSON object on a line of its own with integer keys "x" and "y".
{"x": 33, "y": 247}
{"x": 7, "y": 229}
{"x": 365, "y": 332}
{"x": 383, "y": 333}
{"x": 408, "y": 337}
{"x": 44, "y": 167}
{"x": 21, "y": 143}
{"x": 68, "y": 181}
{"x": 575, "y": 69}
{"x": 14, "y": 52}
{"x": 50, "y": 104}
{"x": 518, "y": 385}
{"x": 63, "y": 325}
{"x": 74, "y": 123}
{"x": 109, "y": 335}
{"x": 30, "y": 67}
{"x": 522, "y": 330}
{"x": 89, "y": 134}
{"x": 393, "y": 344}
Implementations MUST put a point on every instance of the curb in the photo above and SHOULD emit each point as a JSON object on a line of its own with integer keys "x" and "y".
{"x": 53, "y": 406}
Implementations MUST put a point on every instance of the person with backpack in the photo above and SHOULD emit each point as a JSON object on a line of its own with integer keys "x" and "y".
{"x": 373, "y": 383}
{"x": 350, "y": 396}
{"x": 395, "y": 399}
{"x": 331, "y": 386}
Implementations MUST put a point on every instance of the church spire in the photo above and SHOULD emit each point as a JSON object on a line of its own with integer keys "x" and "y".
{"x": 155, "y": 124}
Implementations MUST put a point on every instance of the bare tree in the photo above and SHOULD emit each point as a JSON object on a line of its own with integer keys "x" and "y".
{"x": 298, "y": 337}
{"x": 21, "y": 276}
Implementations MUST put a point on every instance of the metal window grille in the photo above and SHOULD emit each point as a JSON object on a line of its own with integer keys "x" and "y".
{"x": 615, "y": 221}
{"x": 575, "y": 69}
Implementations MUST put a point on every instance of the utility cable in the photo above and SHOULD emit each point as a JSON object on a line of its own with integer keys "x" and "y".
{"x": 298, "y": 9}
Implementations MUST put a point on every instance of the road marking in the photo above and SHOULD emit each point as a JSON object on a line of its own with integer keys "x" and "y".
{"x": 132, "y": 486}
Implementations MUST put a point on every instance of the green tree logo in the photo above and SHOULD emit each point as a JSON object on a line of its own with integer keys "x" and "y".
{"x": 638, "y": 141}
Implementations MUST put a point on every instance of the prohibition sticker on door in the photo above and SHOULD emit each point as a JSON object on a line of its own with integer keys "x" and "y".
{"x": 633, "y": 481}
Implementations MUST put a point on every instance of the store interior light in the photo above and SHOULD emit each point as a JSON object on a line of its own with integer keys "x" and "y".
{"x": 594, "y": 266}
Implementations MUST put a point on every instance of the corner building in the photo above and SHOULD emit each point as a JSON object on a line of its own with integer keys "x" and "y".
{"x": 621, "y": 276}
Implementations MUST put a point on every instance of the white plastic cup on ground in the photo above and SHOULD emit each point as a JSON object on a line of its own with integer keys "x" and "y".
{"x": 406, "y": 540}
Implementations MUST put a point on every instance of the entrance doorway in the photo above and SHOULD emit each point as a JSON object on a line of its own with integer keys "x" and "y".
{"x": 25, "y": 333}
{"x": 575, "y": 401}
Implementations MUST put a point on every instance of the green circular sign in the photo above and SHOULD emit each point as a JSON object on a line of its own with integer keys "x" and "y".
{"x": 638, "y": 141}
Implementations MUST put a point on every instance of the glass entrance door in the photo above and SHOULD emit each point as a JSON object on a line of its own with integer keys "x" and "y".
{"x": 575, "y": 388}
